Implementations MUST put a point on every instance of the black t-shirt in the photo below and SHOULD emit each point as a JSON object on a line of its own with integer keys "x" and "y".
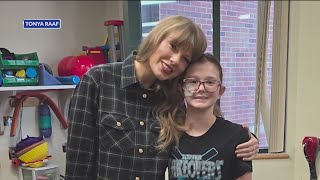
{"x": 210, "y": 156}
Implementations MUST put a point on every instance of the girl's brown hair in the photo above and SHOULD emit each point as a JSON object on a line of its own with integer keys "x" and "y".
{"x": 171, "y": 112}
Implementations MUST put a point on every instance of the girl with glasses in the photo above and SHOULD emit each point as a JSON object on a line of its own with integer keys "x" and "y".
{"x": 201, "y": 141}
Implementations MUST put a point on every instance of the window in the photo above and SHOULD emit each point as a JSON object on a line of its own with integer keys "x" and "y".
{"x": 149, "y": 15}
{"x": 237, "y": 47}
{"x": 198, "y": 11}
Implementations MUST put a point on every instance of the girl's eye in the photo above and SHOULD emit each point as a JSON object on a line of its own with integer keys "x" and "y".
{"x": 194, "y": 81}
{"x": 211, "y": 83}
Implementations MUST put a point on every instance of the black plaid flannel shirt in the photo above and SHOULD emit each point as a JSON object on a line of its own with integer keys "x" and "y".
{"x": 111, "y": 131}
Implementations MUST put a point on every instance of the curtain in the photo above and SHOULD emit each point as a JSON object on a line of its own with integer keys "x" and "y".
{"x": 272, "y": 115}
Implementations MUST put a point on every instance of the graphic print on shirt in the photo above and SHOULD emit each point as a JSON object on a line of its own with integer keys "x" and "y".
{"x": 195, "y": 166}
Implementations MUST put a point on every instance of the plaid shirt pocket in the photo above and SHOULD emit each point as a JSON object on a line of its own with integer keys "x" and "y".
{"x": 118, "y": 132}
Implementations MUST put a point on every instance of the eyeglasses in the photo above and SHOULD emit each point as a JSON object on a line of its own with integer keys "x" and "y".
{"x": 193, "y": 85}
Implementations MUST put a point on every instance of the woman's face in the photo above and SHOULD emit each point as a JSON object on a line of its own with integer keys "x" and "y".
{"x": 169, "y": 61}
{"x": 209, "y": 92}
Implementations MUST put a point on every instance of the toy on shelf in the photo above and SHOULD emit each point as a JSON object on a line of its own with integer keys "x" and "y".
{"x": 62, "y": 70}
{"x": 45, "y": 78}
{"x": 112, "y": 25}
{"x": 68, "y": 80}
{"x": 6, "y": 54}
{"x": 30, "y": 152}
{"x": 18, "y": 69}
{"x": 99, "y": 53}
{"x": 75, "y": 65}
{"x": 31, "y": 72}
{"x": 112, "y": 50}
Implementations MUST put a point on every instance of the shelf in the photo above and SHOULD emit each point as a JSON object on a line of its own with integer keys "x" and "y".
{"x": 31, "y": 88}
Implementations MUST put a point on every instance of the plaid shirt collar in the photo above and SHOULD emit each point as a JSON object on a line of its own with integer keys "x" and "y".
{"x": 128, "y": 71}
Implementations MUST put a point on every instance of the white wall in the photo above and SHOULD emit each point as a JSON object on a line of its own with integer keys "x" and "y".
{"x": 82, "y": 24}
{"x": 303, "y": 94}
{"x": 305, "y": 54}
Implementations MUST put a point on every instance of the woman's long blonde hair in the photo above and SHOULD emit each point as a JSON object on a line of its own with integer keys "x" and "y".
{"x": 171, "y": 112}
{"x": 190, "y": 36}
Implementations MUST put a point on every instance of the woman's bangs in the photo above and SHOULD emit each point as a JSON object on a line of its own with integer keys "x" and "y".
{"x": 185, "y": 41}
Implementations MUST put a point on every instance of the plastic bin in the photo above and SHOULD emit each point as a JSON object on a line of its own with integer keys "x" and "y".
{"x": 22, "y": 61}
{"x": 49, "y": 172}
{"x": 14, "y": 81}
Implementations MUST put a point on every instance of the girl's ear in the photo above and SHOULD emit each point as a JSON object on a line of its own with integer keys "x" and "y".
{"x": 183, "y": 91}
{"x": 222, "y": 90}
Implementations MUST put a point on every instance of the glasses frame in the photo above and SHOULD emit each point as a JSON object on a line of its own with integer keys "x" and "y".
{"x": 201, "y": 83}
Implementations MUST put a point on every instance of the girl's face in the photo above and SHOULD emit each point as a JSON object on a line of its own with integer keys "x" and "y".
{"x": 168, "y": 60}
{"x": 204, "y": 75}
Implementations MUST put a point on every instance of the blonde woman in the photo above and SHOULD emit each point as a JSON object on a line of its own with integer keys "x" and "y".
{"x": 112, "y": 131}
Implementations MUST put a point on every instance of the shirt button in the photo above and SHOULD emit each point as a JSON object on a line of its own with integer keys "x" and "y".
{"x": 141, "y": 123}
{"x": 144, "y": 95}
{"x": 137, "y": 178}
{"x": 140, "y": 151}
{"x": 118, "y": 124}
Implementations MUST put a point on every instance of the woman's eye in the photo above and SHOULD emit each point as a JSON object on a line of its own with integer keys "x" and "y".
{"x": 174, "y": 47}
{"x": 187, "y": 61}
